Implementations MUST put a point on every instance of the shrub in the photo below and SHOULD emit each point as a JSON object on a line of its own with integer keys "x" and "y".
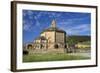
{"x": 25, "y": 52}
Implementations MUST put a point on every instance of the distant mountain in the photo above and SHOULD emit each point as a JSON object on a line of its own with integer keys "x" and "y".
{"x": 78, "y": 38}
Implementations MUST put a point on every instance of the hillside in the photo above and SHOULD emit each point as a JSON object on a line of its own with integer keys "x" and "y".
{"x": 76, "y": 39}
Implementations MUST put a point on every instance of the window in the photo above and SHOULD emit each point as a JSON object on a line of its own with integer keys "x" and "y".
{"x": 56, "y": 46}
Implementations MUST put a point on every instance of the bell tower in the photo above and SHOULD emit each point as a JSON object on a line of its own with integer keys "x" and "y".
{"x": 53, "y": 24}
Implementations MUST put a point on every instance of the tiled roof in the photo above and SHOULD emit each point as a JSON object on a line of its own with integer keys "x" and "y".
{"x": 53, "y": 29}
{"x": 41, "y": 37}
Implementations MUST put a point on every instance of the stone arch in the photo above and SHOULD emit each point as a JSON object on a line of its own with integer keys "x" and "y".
{"x": 65, "y": 46}
{"x": 29, "y": 46}
{"x": 56, "y": 46}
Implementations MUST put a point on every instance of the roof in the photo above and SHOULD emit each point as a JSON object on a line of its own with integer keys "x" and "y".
{"x": 54, "y": 29}
{"x": 41, "y": 38}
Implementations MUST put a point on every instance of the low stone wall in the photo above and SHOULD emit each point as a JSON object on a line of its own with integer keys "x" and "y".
{"x": 61, "y": 50}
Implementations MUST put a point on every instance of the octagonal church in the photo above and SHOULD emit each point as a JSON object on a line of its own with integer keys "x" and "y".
{"x": 52, "y": 39}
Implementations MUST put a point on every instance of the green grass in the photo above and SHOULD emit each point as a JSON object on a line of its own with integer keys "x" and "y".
{"x": 51, "y": 57}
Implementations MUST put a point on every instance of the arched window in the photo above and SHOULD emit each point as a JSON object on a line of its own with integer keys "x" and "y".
{"x": 65, "y": 46}
{"x": 56, "y": 46}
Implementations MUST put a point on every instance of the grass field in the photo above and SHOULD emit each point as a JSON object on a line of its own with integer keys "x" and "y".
{"x": 51, "y": 57}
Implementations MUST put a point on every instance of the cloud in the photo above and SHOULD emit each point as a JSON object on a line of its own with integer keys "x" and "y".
{"x": 70, "y": 25}
{"x": 75, "y": 26}
{"x": 72, "y": 20}
{"x": 29, "y": 12}
{"x": 27, "y": 25}
{"x": 37, "y": 23}
{"x": 79, "y": 30}
{"x": 65, "y": 23}
{"x": 48, "y": 14}
{"x": 30, "y": 20}
{"x": 54, "y": 15}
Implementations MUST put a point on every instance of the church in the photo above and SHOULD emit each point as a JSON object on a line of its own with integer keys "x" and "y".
{"x": 52, "y": 39}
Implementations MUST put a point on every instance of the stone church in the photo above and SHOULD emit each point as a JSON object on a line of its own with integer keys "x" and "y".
{"x": 52, "y": 39}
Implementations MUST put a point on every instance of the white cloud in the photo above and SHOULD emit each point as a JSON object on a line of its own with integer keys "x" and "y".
{"x": 74, "y": 26}
{"x": 54, "y": 15}
{"x": 79, "y": 29}
{"x": 27, "y": 25}
{"x": 30, "y": 12}
{"x": 37, "y": 23}
{"x": 51, "y": 15}
{"x": 65, "y": 23}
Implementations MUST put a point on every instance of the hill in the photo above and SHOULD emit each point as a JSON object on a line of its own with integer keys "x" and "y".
{"x": 78, "y": 38}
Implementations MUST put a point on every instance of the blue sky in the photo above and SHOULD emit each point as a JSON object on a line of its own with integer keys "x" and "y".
{"x": 74, "y": 23}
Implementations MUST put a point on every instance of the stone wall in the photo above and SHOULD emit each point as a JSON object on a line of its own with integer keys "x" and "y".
{"x": 61, "y": 50}
{"x": 60, "y": 37}
{"x": 50, "y": 36}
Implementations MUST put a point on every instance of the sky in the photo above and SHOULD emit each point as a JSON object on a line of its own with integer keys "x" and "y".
{"x": 74, "y": 23}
